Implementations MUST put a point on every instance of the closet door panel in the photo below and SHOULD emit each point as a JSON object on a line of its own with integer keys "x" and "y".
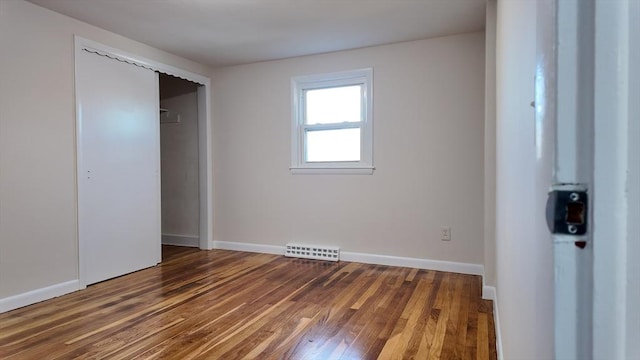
{"x": 118, "y": 170}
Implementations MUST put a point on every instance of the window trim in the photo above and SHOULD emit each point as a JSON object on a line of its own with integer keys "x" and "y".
{"x": 299, "y": 85}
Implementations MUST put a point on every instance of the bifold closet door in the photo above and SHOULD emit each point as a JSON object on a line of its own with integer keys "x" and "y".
{"x": 118, "y": 167}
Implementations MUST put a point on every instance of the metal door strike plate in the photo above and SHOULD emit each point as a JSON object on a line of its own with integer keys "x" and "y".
{"x": 567, "y": 211}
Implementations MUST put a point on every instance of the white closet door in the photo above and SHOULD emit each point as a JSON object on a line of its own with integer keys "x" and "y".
{"x": 118, "y": 167}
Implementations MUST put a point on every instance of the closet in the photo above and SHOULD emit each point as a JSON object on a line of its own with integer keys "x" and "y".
{"x": 179, "y": 161}
{"x": 140, "y": 136}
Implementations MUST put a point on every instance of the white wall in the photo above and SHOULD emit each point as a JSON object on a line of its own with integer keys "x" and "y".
{"x": 524, "y": 260}
{"x": 179, "y": 155}
{"x": 38, "y": 241}
{"x": 428, "y": 153}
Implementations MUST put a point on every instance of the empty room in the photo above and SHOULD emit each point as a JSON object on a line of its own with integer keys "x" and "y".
{"x": 271, "y": 179}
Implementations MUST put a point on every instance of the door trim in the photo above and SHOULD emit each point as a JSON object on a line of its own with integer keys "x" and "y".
{"x": 617, "y": 183}
{"x": 205, "y": 137}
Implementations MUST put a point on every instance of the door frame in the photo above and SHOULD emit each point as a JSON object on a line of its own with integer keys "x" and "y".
{"x": 617, "y": 181}
{"x": 573, "y": 91}
{"x": 598, "y": 143}
{"x": 205, "y": 138}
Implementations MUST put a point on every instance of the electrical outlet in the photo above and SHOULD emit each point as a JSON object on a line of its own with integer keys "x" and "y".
{"x": 445, "y": 233}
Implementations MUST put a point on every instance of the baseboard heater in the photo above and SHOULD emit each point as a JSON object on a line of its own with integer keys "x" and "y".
{"x": 317, "y": 252}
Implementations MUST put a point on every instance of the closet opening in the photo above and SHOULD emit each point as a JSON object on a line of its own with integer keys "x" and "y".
{"x": 179, "y": 161}
{"x": 134, "y": 189}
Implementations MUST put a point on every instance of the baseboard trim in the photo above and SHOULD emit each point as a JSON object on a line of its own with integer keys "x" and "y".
{"x": 38, "y": 295}
{"x": 248, "y": 247}
{"x": 489, "y": 293}
{"x": 428, "y": 264}
{"x": 463, "y": 268}
{"x": 181, "y": 240}
{"x": 496, "y": 320}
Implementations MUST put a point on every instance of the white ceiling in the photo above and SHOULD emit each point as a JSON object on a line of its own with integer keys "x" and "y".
{"x": 225, "y": 32}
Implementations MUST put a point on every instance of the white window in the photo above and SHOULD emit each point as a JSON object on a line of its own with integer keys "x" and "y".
{"x": 332, "y": 123}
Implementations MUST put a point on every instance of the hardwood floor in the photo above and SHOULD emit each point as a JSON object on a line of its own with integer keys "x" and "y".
{"x": 234, "y": 305}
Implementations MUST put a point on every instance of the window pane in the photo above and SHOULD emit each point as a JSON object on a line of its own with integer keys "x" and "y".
{"x": 333, "y": 105}
{"x": 333, "y": 145}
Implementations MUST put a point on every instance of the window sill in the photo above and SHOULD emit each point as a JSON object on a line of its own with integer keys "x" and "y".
{"x": 364, "y": 170}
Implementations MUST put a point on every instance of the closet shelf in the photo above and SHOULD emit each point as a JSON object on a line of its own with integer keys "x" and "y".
{"x": 167, "y": 118}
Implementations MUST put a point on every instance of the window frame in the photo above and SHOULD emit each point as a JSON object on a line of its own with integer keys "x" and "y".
{"x": 301, "y": 84}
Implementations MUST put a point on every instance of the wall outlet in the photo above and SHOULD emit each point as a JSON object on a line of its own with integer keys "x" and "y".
{"x": 445, "y": 233}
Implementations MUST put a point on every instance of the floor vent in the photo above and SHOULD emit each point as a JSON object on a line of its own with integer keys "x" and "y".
{"x": 331, "y": 253}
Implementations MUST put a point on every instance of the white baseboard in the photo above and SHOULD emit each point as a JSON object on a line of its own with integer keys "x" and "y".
{"x": 489, "y": 292}
{"x": 181, "y": 240}
{"x": 428, "y": 264}
{"x": 38, "y": 295}
{"x": 463, "y": 268}
{"x": 249, "y": 247}
{"x": 496, "y": 320}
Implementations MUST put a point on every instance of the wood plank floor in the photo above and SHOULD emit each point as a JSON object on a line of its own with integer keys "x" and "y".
{"x": 235, "y": 305}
